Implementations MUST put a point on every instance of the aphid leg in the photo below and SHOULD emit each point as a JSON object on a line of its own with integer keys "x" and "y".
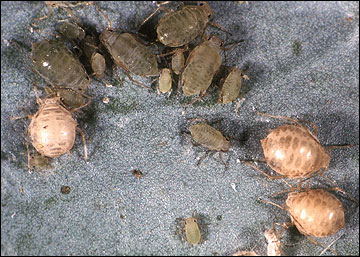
{"x": 288, "y": 190}
{"x": 319, "y": 244}
{"x": 222, "y": 160}
{"x": 43, "y": 17}
{"x": 331, "y": 147}
{"x": 84, "y": 141}
{"x": 269, "y": 202}
{"x": 195, "y": 100}
{"x": 133, "y": 80}
{"x": 159, "y": 6}
{"x": 277, "y": 117}
{"x": 28, "y": 151}
{"x": 190, "y": 139}
{"x": 323, "y": 251}
{"x": 219, "y": 27}
{"x": 103, "y": 14}
{"x": 267, "y": 175}
{"x": 38, "y": 100}
{"x": 203, "y": 157}
{"x": 336, "y": 188}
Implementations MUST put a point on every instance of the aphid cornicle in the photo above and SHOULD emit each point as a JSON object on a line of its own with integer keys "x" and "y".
{"x": 180, "y": 27}
{"x": 57, "y": 64}
{"x": 201, "y": 66}
{"x": 210, "y": 138}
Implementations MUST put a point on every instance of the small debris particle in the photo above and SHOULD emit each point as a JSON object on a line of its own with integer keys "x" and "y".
{"x": 65, "y": 190}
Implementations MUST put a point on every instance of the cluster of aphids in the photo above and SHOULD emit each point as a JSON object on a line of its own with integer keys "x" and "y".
{"x": 291, "y": 150}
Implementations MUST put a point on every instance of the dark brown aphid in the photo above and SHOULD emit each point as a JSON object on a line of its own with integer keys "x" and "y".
{"x": 71, "y": 31}
{"x": 180, "y": 27}
{"x": 72, "y": 99}
{"x": 137, "y": 173}
{"x": 177, "y": 61}
{"x": 57, "y": 64}
{"x": 65, "y": 190}
{"x": 131, "y": 55}
{"x": 201, "y": 66}
{"x": 210, "y": 138}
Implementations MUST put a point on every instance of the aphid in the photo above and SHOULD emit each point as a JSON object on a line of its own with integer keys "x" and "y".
{"x": 192, "y": 231}
{"x": 131, "y": 55}
{"x": 177, "y": 61}
{"x": 72, "y": 99}
{"x": 52, "y": 128}
{"x": 66, "y": 5}
{"x": 71, "y": 31}
{"x": 137, "y": 173}
{"x": 201, "y": 66}
{"x": 165, "y": 80}
{"x": 210, "y": 138}
{"x": 98, "y": 65}
{"x": 314, "y": 212}
{"x": 232, "y": 86}
{"x": 180, "y": 27}
{"x": 57, "y": 64}
{"x": 294, "y": 151}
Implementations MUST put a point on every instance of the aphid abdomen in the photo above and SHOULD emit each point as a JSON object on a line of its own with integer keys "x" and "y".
{"x": 52, "y": 130}
{"x": 209, "y": 137}
{"x": 58, "y": 65}
{"x": 165, "y": 80}
{"x": 293, "y": 152}
{"x": 181, "y": 27}
{"x": 316, "y": 212}
{"x": 231, "y": 87}
{"x": 125, "y": 49}
{"x": 199, "y": 72}
{"x": 192, "y": 231}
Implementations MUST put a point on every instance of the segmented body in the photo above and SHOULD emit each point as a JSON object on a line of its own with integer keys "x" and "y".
{"x": 128, "y": 53}
{"x": 70, "y": 98}
{"x": 184, "y": 25}
{"x": 165, "y": 80}
{"x": 177, "y": 61}
{"x": 293, "y": 151}
{"x": 52, "y": 129}
{"x": 232, "y": 85}
{"x": 209, "y": 137}
{"x": 56, "y": 63}
{"x": 71, "y": 31}
{"x": 98, "y": 64}
{"x": 201, "y": 66}
{"x": 316, "y": 212}
{"x": 192, "y": 231}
